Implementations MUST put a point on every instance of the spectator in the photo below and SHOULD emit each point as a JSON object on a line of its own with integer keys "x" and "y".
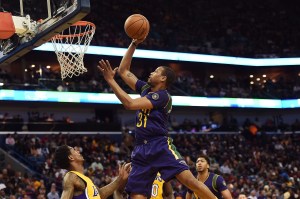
{"x": 242, "y": 196}
{"x": 96, "y": 166}
{"x": 10, "y": 141}
{"x": 3, "y": 195}
{"x": 53, "y": 194}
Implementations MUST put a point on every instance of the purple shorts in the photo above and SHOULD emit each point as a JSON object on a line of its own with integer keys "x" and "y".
{"x": 158, "y": 155}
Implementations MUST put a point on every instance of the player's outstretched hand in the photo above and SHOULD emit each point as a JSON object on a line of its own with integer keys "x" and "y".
{"x": 124, "y": 170}
{"x": 107, "y": 71}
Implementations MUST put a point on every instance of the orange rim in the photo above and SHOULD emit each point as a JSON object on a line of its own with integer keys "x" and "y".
{"x": 78, "y": 23}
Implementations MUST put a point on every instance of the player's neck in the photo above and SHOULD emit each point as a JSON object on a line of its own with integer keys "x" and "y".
{"x": 78, "y": 167}
{"x": 202, "y": 176}
{"x": 158, "y": 87}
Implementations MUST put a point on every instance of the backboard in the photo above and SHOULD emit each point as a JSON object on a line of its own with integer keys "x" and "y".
{"x": 37, "y": 24}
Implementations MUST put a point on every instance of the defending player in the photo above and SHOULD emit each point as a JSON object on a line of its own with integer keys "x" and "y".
{"x": 78, "y": 186}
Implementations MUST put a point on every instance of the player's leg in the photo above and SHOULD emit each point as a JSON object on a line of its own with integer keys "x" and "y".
{"x": 172, "y": 164}
{"x": 142, "y": 174}
{"x": 201, "y": 190}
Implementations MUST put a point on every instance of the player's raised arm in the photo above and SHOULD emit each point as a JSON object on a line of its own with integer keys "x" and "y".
{"x": 136, "y": 27}
{"x": 109, "y": 189}
{"x": 124, "y": 69}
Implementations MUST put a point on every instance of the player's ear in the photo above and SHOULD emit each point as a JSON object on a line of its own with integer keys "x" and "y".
{"x": 70, "y": 157}
{"x": 163, "y": 78}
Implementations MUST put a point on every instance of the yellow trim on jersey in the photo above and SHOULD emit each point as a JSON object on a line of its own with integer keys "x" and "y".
{"x": 91, "y": 191}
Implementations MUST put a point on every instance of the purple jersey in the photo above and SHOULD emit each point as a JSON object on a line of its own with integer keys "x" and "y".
{"x": 152, "y": 123}
{"x": 216, "y": 184}
{"x": 154, "y": 151}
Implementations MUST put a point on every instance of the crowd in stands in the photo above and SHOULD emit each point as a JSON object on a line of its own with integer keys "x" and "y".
{"x": 36, "y": 121}
{"x": 262, "y": 165}
{"x": 185, "y": 85}
{"x": 207, "y": 124}
{"x": 235, "y": 28}
{"x": 257, "y": 164}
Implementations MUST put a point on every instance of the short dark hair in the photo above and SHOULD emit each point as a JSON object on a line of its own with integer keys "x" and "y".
{"x": 61, "y": 157}
{"x": 205, "y": 157}
{"x": 170, "y": 74}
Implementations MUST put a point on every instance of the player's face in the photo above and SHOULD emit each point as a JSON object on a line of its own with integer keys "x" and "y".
{"x": 75, "y": 153}
{"x": 201, "y": 165}
{"x": 156, "y": 76}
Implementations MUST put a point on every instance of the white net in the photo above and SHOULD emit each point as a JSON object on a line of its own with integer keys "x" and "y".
{"x": 70, "y": 46}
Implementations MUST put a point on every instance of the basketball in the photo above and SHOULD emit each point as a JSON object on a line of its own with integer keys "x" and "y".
{"x": 137, "y": 26}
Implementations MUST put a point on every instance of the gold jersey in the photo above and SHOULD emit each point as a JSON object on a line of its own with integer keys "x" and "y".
{"x": 157, "y": 188}
{"x": 91, "y": 191}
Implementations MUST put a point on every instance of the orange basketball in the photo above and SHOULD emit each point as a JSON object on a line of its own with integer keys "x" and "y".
{"x": 137, "y": 26}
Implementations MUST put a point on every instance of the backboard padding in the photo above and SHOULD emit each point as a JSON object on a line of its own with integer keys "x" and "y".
{"x": 47, "y": 30}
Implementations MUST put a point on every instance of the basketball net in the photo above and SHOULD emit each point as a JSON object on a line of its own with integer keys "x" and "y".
{"x": 70, "y": 46}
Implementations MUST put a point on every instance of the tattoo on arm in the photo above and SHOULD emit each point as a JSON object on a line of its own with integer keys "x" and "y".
{"x": 131, "y": 75}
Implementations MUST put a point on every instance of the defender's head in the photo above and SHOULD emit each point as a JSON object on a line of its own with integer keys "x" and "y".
{"x": 65, "y": 155}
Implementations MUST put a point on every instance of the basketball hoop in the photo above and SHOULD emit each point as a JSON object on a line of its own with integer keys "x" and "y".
{"x": 70, "y": 46}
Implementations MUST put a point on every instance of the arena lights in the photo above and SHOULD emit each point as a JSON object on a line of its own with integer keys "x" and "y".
{"x": 109, "y": 98}
{"x": 190, "y": 57}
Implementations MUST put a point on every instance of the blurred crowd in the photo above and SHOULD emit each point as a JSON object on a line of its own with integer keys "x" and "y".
{"x": 235, "y": 28}
{"x": 257, "y": 164}
{"x": 185, "y": 85}
{"x": 248, "y": 164}
{"x": 222, "y": 122}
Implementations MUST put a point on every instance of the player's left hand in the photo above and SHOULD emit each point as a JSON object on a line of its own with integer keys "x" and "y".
{"x": 107, "y": 71}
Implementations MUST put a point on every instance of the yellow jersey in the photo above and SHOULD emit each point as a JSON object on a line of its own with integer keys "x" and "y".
{"x": 91, "y": 191}
{"x": 157, "y": 188}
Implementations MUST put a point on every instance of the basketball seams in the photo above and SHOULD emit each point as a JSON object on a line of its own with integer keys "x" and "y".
{"x": 134, "y": 23}
{"x": 137, "y": 32}
{"x": 131, "y": 26}
{"x": 135, "y": 28}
